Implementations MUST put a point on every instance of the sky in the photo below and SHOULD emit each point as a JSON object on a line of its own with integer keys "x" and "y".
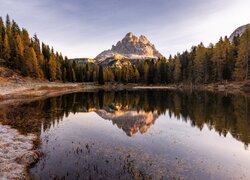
{"x": 84, "y": 28}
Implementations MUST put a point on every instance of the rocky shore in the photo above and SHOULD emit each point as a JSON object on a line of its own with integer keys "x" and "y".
{"x": 17, "y": 153}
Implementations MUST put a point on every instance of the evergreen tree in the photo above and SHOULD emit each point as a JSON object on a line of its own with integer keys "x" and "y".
{"x": 137, "y": 75}
{"x": 220, "y": 57}
{"x": 145, "y": 71}
{"x": 73, "y": 75}
{"x": 242, "y": 64}
{"x": 199, "y": 64}
{"x": 19, "y": 52}
{"x": 52, "y": 68}
{"x": 64, "y": 75}
{"x": 8, "y": 25}
{"x": 177, "y": 69}
{"x": 32, "y": 67}
{"x": 100, "y": 78}
{"x": 2, "y": 34}
{"x": 6, "y": 50}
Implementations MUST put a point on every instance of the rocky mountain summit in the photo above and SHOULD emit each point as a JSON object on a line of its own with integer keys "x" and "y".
{"x": 131, "y": 47}
{"x": 239, "y": 31}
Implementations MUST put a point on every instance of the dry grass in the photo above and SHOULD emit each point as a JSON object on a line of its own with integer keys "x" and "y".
{"x": 2, "y": 80}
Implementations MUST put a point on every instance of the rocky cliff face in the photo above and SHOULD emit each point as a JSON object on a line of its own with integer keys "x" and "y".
{"x": 239, "y": 31}
{"x": 131, "y": 47}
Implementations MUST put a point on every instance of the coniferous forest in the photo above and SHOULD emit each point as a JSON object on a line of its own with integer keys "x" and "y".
{"x": 224, "y": 61}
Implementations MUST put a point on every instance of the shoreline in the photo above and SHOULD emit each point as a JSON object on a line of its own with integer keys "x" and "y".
{"x": 17, "y": 153}
{"x": 34, "y": 91}
{"x": 11, "y": 92}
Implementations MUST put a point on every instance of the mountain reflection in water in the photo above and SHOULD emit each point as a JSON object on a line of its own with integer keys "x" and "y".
{"x": 134, "y": 111}
{"x": 145, "y": 134}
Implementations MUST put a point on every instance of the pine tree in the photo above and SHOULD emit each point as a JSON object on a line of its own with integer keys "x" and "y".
{"x": 19, "y": 53}
{"x": 170, "y": 72}
{"x": 241, "y": 67}
{"x": 199, "y": 64}
{"x": 177, "y": 69}
{"x": 31, "y": 63}
{"x": 73, "y": 75}
{"x": 8, "y": 25}
{"x": 52, "y": 68}
{"x": 118, "y": 76}
{"x": 137, "y": 75}
{"x": 58, "y": 71}
{"x": 151, "y": 72}
{"x": 36, "y": 68}
{"x": 145, "y": 71}
{"x": 6, "y": 50}
{"x": 64, "y": 75}
{"x": 220, "y": 57}
{"x": 100, "y": 77}
{"x": 2, "y": 33}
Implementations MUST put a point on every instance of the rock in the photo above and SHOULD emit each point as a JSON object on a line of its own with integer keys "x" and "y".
{"x": 16, "y": 153}
{"x": 239, "y": 31}
{"x": 131, "y": 47}
{"x": 29, "y": 158}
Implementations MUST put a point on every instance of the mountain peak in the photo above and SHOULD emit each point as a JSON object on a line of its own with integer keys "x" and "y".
{"x": 239, "y": 31}
{"x": 129, "y": 35}
{"x": 131, "y": 47}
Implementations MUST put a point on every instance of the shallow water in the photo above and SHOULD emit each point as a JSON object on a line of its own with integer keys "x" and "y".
{"x": 148, "y": 134}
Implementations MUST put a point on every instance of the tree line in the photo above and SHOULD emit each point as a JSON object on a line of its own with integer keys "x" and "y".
{"x": 225, "y": 61}
{"x": 34, "y": 59}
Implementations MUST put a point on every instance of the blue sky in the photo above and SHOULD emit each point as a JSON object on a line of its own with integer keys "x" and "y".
{"x": 84, "y": 28}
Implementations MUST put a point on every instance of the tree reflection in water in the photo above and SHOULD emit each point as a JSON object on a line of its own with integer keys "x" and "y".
{"x": 136, "y": 111}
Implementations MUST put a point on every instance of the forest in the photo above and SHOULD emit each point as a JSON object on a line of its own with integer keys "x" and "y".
{"x": 224, "y": 61}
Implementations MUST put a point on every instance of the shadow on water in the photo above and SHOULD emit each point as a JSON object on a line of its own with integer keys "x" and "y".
{"x": 134, "y": 112}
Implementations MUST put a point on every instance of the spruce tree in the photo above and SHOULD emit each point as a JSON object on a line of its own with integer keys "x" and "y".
{"x": 2, "y": 33}
{"x": 19, "y": 52}
{"x": 31, "y": 63}
{"x": 199, "y": 64}
{"x": 6, "y": 50}
{"x": 177, "y": 69}
{"x": 145, "y": 71}
{"x": 64, "y": 75}
{"x": 242, "y": 64}
{"x": 52, "y": 67}
{"x": 100, "y": 75}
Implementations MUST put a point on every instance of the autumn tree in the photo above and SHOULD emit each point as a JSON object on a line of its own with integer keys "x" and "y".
{"x": 199, "y": 64}
{"x": 242, "y": 64}
{"x": 52, "y": 68}
{"x": 6, "y": 50}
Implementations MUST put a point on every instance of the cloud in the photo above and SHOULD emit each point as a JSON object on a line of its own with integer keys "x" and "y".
{"x": 81, "y": 28}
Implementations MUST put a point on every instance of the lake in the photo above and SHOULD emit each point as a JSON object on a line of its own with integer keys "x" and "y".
{"x": 144, "y": 134}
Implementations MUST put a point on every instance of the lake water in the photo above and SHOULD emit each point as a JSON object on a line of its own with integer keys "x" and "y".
{"x": 146, "y": 134}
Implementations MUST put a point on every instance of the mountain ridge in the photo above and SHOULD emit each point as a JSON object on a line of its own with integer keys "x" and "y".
{"x": 239, "y": 31}
{"x": 131, "y": 47}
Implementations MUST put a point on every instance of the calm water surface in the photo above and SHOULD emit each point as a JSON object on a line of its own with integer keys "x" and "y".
{"x": 149, "y": 134}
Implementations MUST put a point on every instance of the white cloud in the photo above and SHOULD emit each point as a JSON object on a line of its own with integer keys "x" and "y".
{"x": 83, "y": 28}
